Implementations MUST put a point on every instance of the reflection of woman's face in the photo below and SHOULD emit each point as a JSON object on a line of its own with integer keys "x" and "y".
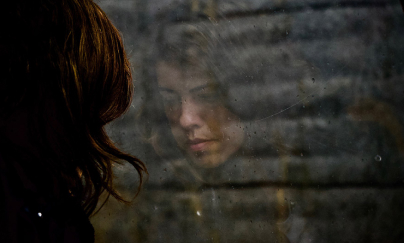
{"x": 202, "y": 126}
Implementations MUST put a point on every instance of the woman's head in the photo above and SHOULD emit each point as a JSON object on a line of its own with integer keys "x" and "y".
{"x": 68, "y": 51}
{"x": 64, "y": 66}
{"x": 203, "y": 127}
{"x": 201, "y": 124}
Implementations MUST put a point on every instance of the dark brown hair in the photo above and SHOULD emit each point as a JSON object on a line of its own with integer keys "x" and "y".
{"x": 63, "y": 63}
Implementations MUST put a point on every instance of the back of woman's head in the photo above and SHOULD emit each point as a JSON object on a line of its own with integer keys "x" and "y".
{"x": 63, "y": 65}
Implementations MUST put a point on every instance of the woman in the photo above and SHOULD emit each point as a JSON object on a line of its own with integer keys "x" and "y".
{"x": 64, "y": 76}
{"x": 205, "y": 129}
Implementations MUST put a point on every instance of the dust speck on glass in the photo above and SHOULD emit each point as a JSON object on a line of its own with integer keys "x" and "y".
{"x": 261, "y": 121}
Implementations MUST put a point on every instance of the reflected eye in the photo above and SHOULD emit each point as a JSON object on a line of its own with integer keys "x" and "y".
{"x": 208, "y": 96}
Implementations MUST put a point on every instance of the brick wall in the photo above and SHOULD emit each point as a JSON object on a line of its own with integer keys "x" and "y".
{"x": 324, "y": 165}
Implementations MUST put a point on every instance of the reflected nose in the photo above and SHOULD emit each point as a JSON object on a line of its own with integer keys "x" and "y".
{"x": 190, "y": 117}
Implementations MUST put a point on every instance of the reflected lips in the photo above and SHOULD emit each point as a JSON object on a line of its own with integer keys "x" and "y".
{"x": 199, "y": 144}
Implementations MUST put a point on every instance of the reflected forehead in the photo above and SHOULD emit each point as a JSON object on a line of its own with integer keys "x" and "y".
{"x": 173, "y": 77}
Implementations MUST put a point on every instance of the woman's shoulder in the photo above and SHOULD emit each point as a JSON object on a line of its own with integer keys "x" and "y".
{"x": 31, "y": 210}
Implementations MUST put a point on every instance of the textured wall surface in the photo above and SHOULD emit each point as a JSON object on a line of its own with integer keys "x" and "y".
{"x": 324, "y": 147}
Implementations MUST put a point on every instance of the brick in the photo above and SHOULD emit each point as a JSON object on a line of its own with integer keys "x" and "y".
{"x": 306, "y": 150}
{"x": 330, "y": 215}
{"x": 306, "y": 25}
{"x": 181, "y": 10}
{"x": 232, "y": 6}
{"x": 301, "y": 171}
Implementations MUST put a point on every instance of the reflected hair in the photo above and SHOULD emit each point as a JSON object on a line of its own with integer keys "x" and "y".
{"x": 63, "y": 63}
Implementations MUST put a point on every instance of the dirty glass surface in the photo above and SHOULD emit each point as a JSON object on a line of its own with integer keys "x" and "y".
{"x": 261, "y": 121}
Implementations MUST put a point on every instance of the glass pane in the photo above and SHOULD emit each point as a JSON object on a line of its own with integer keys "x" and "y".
{"x": 261, "y": 121}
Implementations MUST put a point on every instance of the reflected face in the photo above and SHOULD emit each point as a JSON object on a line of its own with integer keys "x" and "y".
{"x": 203, "y": 127}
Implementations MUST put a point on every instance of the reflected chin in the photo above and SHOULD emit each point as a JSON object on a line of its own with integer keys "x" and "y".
{"x": 206, "y": 160}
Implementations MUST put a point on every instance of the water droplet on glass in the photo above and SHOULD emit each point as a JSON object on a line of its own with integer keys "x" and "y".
{"x": 378, "y": 158}
{"x": 198, "y": 213}
{"x": 313, "y": 80}
{"x": 287, "y": 33}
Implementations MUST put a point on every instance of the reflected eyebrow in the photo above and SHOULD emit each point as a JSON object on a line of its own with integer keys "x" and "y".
{"x": 199, "y": 88}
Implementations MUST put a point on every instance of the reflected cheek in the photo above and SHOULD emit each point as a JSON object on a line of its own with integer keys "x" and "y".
{"x": 214, "y": 126}
{"x": 172, "y": 114}
{"x": 179, "y": 134}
